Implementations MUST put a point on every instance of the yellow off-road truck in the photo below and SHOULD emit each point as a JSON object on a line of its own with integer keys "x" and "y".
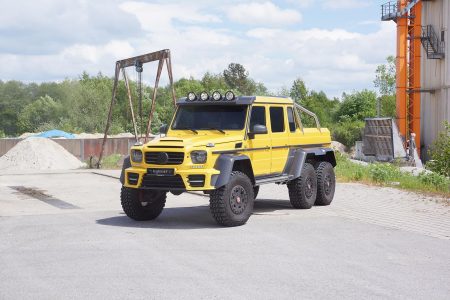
{"x": 227, "y": 146}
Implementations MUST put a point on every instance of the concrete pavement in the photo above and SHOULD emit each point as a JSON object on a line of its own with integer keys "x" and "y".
{"x": 371, "y": 242}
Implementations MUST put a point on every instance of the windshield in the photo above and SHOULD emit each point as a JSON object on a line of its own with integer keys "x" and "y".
{"x": 198, "y": 117}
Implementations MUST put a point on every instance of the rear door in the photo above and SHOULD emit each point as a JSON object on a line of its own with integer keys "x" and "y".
{"x": 279, "y": 137}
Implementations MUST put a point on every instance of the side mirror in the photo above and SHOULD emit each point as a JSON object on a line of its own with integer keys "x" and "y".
{"x": 163, "y": 129}
{"x": 257, "y": 129}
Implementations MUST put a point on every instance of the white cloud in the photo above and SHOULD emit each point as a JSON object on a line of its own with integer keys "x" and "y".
{"x": 200, "y": 39}
{"x": 345, "y": 4}
{"x": 265, "y": 13}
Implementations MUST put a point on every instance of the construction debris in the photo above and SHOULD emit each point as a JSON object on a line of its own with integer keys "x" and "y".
{"x": 36, "y": 153}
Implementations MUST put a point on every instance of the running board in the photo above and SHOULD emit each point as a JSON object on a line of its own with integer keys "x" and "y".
{"x": 281, "y": 178}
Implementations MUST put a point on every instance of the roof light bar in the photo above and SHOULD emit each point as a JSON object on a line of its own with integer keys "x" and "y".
{"x": 204, "y": 96}
{"x": 216, "y": 96}
{"x": 192, "y": 96}
{"x": 229, "y": 96}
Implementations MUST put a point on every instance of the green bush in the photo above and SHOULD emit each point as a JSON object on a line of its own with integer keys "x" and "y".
{"x": 382, "y": 173}
{"x": 439, "y": 181}
{"x": 440, "y": 153}
{"x": 348, "y": 132}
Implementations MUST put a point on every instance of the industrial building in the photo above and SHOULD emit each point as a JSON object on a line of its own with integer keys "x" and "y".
{"x": 423, "y": 67}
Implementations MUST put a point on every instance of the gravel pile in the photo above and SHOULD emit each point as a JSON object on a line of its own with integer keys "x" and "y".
{"x": 38, "y": 154}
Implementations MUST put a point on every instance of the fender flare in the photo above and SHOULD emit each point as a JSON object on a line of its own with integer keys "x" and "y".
{"x": 126, "y": 165}
{"x": 225, "y": 164}
{"x": 297, "y": 158}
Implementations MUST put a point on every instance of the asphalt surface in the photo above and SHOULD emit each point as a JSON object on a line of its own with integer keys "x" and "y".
{"x": 64, "y": 236}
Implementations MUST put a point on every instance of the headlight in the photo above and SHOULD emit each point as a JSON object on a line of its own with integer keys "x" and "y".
{"x": 204, "y": 96}
{"x": 229, "y": 95}
{"x": 198, "y": 157}
{"x": 216, "y": 96}
{"x": 192, "y": 96}
{"x": 136, "y": 156}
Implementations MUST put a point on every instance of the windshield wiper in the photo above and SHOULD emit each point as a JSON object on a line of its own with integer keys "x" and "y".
{"x": 212, "y": 128}
{"x": 185, "y": 128}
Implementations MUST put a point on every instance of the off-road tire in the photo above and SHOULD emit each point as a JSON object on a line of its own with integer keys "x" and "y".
{"x": 255, "y": 191}
{"x": 222, "y": 201}
{"x": 303, "y": 190}
{"x": 326, "y": 183}
{"x": 135, "y": 209}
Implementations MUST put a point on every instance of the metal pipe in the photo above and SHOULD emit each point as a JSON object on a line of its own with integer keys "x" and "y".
{"x": 308, "y": 112}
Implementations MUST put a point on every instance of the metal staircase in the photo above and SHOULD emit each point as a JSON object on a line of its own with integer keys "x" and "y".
{"x": 431, "y": 43}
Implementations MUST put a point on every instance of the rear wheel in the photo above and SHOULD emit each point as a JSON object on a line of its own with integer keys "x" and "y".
{"x": 232, "y": 204}
{"x": 303, "y": 190}
{"x": 326, "y": 183}
{"x": 255, "y": 191}
{"x": 142, "y": 205}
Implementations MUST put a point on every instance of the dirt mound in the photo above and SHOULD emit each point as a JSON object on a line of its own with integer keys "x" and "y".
{"x": 38, "y": 154}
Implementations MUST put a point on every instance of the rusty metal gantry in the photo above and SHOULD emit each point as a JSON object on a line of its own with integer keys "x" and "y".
{"x": 138, "y": 62}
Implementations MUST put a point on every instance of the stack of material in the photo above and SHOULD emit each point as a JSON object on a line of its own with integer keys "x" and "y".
{"x": 38, "y": 154}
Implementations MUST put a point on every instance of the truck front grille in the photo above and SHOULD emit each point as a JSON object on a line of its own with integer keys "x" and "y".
{"x": 196, "y": 180}
{"x": 163, "y": 182}
{"x": 173, "y": 158}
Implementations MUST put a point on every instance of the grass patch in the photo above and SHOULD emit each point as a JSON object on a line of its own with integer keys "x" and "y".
{"x": 385, "y": 174}
{"x": 108, "y": 162}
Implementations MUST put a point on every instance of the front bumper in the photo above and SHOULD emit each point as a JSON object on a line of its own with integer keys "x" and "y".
{"x": 181, "y": 180}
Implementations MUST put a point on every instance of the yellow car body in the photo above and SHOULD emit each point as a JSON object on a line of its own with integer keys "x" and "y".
{"x": 167, "y": 163}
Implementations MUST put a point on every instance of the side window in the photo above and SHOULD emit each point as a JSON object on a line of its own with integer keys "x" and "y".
{"x": 291, "y": 119}
{"x": 277, "y": 119}
{"x": 258, "y": 116}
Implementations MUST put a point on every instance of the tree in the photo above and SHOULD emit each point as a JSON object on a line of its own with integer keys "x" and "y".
{"x": 236, "y": 77}
{"x": 299, "y": 92}
{"x": 385, "y": 81}
{"x": 440, "y": 152}
{"x": 43, "y": 111}
{"x": 357, "y": 106}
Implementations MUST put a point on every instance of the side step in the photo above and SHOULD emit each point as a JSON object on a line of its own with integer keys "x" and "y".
{"x": 280, "y": 178}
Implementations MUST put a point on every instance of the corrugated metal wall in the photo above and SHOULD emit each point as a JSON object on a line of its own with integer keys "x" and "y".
{"x": 82, "y": 148}
{"x": 435, "y": 74}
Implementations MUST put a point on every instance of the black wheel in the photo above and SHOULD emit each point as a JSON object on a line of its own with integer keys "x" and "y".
{"x": 232, "y": 204}
{"x": 326, "y": 183}
{"x": 303, "y": 190}
{"x": 255, "y": 191}
{"x": 142, "y": 205}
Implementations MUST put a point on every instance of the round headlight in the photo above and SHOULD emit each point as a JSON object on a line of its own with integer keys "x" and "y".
{"x": 204, "y": 96}
{"x": 192, "y": 96}
{"x": 136, "y": 156}
{"x": 229, "y": 95}
{"x": 216, "y": 96}
{"x": 198, "y": 157}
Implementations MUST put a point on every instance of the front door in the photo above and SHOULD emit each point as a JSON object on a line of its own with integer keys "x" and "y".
{"x": 259, "y": 145}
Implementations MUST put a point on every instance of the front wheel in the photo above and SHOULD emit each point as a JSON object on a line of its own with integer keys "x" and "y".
{"x": 232, "y": 204}
{"x": 142, "y": 205}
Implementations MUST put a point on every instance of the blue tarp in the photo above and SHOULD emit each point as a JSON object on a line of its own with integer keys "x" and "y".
{"x": 56, "y": 133}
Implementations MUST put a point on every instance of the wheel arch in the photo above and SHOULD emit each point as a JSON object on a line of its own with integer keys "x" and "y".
{"x": 227, "y": 163}
{"x": 126, "y": 165}
{"x": 298, "y": 157}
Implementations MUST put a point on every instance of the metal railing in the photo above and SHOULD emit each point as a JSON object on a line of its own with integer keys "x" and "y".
{"x": 310, "y": 113}
{"x": 389, "y": 11}
{"x": 434, "y": 47}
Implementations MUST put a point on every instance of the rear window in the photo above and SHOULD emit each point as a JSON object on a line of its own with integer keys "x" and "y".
{"x": 277, "y": 119}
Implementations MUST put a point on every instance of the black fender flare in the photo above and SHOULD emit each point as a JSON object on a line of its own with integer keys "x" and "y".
{"x": 225, "y": 164}
{"x": 126, "y": 165}
{"x": 297, "y": 158}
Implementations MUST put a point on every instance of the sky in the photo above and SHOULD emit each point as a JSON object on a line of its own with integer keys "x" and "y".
{"x": 333, "y": 45}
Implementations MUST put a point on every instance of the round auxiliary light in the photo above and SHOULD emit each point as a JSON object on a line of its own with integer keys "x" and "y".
{"x": 216, "y": 96}
{"x": 192, "y": 96}
{"x": 229, "y": 95}
{"x": 204, "y": 96}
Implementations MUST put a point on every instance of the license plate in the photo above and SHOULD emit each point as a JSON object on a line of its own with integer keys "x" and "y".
{"x": 160, "y": 172}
